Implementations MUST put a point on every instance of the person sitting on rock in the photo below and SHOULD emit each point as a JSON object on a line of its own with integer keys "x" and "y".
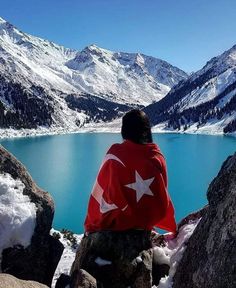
{"x": 130, "y": 191}
{"x": 128, "y": 200}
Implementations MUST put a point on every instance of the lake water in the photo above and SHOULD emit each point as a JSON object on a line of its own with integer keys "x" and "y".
{"x": 67, "y": 165}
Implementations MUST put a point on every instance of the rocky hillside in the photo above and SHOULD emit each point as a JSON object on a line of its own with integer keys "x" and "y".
{"x": 43, "y": 84}
{"x": 206, "y": 101}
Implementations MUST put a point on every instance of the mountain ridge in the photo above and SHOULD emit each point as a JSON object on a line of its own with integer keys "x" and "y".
{"x": 72, "y": 89}
{"x": 67, "y": 83}
{"x": 206, "y": 99}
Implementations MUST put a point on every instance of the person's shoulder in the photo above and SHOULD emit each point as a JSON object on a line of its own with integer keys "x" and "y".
{"x": 158, "y": 156}
{"x": 116, "y": 147}
{"x": 155, "y": 150}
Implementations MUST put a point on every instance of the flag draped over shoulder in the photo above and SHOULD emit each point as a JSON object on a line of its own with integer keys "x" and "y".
{"x": 130, "y": 191}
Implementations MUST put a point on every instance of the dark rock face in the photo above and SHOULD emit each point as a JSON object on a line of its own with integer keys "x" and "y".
{"x": 31, "y": 107}
{"x": 9, "y": 281}
{"x": 96, "y": 108}
{"x": 63, "y": 281}
{"x": 127, "y": 255}
{"x": 210, "y": 257}
{"x": 39, "y": 260}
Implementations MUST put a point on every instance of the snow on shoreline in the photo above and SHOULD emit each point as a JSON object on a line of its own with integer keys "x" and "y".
{"x": 170, "y": 254}
{"x": 22, "y": 133}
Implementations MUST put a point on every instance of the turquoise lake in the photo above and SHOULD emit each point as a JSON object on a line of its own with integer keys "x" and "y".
{"x": 67, "y": 165}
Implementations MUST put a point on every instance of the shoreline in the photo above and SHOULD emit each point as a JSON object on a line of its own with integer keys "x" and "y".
{"x": 7, "y": 134}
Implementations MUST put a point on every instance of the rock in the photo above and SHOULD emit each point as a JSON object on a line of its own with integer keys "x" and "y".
{"x": 63, "y": 281}
{"x": 159, "y": 271}
{"x": 193, "y": 216}
{"x": 210, "y": 257}
{"x": 144, "y": 269}
{"x": 81, "y": 279}
{"x": 9, "y": 281}
{"x": 38, "y": 261}
{"x": 116, "y": 259}
{"x": 84, "y": 280}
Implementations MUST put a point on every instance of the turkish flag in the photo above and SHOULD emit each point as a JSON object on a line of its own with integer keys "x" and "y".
{"x": 130, "y": 191}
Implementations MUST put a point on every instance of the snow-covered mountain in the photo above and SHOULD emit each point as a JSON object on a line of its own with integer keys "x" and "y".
{"x": 123, "y": 77}
{"x": 205, "y": 102}
{"x": 45, "y": 84}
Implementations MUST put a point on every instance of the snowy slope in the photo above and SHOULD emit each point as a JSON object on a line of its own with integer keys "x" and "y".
{"x": 35, "y": 59}
{"x": 46, "y": 85}
{"x": 205, "y": 102}
{"x": 123, "y": 77}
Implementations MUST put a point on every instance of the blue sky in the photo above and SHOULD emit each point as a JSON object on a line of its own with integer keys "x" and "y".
{"x": 186, "y": 33}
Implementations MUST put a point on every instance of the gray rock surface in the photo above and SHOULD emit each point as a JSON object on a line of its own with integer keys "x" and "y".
{"x": 126, "y": 263}
{"x": 84, "y": 280}
{"x": 9, "y": 281}
{"x": 39, "y": 260}
{"x": 210, "y": 257}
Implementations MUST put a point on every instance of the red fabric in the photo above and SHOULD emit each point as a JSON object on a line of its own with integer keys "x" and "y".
{"x": 115, "y": 203}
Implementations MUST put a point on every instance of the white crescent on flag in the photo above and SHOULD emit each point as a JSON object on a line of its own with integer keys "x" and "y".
{"x": 97, "y": 191}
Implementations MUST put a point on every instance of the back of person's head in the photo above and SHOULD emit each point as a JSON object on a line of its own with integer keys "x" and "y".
{"x": 136, "y": 127}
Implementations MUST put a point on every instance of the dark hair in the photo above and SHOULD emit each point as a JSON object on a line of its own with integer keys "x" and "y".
{"x": 136, "y": 127}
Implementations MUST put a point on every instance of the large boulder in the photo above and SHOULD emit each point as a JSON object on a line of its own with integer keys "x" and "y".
{"x": 26, "y": 214}
{"x": 210, "y": 257}
{"x": 115, "y": 259}
{"x": 9, "y": 281}
{"x": 118, "y": 259}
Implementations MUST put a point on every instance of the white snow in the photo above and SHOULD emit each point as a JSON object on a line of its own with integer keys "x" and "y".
{"x": 209, "y": 90}
{"x": 173, "y": 252}
{"x": 17, "y": 214}
{"x": 102, "y": 262}
{"x": 67, "y": 257}
{"x": 221, "y": 71}
{"x": 139, "y": 259}
{"x": 212, "y": 127}
{"x": 160, "y": 257}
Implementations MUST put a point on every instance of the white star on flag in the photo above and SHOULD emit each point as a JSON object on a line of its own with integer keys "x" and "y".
{"x": 141, "y": 186}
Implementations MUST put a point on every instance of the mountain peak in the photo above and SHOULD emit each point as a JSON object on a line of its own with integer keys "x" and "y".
{"x": 2, "y": 20}
{"x": 5, "y": 24}
{"x": 117, "y": 76}
{"x": 93, "y": 49}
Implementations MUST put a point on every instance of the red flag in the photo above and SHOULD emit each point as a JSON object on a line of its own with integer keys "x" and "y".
{"x": 130, "y": 191}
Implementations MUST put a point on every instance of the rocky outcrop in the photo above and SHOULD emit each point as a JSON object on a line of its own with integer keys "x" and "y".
{"x": 210, "y": 257}
{"x": 38, "y": 260}
{"x": 9, "y": 281}
{"x": 117, "y": 260}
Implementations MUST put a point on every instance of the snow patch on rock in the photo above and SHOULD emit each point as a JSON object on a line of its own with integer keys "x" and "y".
{"x": 17, "y": 214}
{"x": 173, "y": 252}
{"x": 102, "y": 262}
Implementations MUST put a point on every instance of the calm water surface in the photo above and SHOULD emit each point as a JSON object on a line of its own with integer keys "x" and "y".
{"x": 67, "y": 165}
